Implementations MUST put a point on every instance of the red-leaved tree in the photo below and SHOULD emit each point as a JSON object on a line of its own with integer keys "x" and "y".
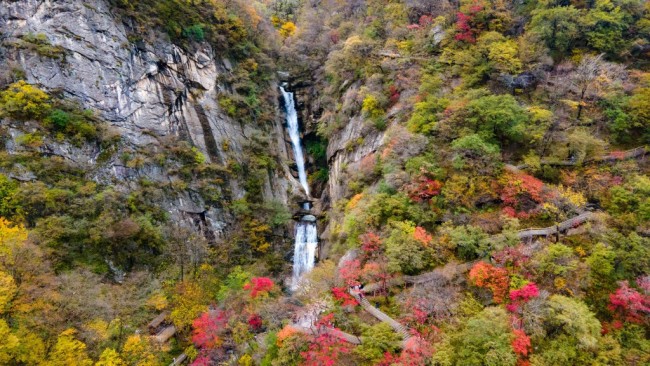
{"x": 511, "y": 257}
{"x": 377, "y": 271}
{"x": 466, "y": 23}
{"x": 342, "y": 295}
{"x": 423, "y": 189}
{"x": 493, "y": 278}
{"x": 202, "y": 360}
{"x": 522, "y": 296}
{"x": 207, "y": 328}
{"x": 350, "y": 272}
{"x": 258, "y": 286}
{"x": 327, "y": 348}
{"x": 422, "y": 236}
{"x": 370, "y": 243}
{"x": 522, "y": 194}
{"x": 417, "y": 351}
{"x": 629, "y": 305}
{"x": 521, "y": 344}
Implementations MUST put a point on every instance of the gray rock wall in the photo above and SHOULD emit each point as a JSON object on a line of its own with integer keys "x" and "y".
{"x": 142, "y": 90}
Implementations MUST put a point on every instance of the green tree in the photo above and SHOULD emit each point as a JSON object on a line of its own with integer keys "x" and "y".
{"x": 492, "y": 55}
{"x": 557, "y": 260}
{"x": 376, "y": 341}
{"x": 573, "y": 334}
{"x": 8, "y": 204}
{"x": 496, "y": 118}
{"x": 425, "y": 113}
{"x": 605, "y": 25}
{"x": 485, "y": 339}
{"x": 639, "y": 107}
{"x": 559, "y": 27}
{"x": 470, "y": 241}
{"x": 403, "y": 251}
{"x": 473, "y": 152}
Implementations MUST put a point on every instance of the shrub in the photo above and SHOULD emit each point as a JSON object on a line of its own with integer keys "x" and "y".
{"x": 372, "y": 107}
{"x": 41, "y": 45}
{"x": 194, "y": 32}
{"x": 228, "y": 105}
{"x": 287, "y": 29}
{"x": 59, "y": 118}
{"x": 23, "y": 101}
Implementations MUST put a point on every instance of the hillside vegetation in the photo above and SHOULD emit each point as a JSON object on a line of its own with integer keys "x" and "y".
{"x": 494, "y": 209}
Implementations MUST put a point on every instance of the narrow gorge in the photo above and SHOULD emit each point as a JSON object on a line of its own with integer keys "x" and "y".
{"x": 306, "y": 233}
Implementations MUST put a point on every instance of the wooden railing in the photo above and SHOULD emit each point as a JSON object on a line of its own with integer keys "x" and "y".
{"x": 612, "y": 156}
{"x": 464, "y": 267}
{"x": 315, "y": 331}
{"x": 561, "y": 227}
{"x": 179, "y": 360}
{"x": 367, "y": 306}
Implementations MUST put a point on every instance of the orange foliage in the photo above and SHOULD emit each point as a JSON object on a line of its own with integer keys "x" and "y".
{"x": 422, "y": 236}
{"x": 367, "y": 165}
{"x": 521, "y": 194}
{"x": 354, "y": 201}
{"x": 285, "y": 333}
{"x": 494, "y": 278}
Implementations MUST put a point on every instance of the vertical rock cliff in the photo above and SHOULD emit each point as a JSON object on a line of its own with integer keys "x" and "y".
{"x": 147, "y": 92}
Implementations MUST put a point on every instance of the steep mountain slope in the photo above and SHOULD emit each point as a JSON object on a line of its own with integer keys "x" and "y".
{"x": 476, "y": 177}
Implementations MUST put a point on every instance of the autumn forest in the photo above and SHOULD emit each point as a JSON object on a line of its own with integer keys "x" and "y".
{"x": 325, "y": 182}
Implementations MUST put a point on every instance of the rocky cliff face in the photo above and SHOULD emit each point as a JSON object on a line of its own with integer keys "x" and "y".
{"x": 146, "y": 91}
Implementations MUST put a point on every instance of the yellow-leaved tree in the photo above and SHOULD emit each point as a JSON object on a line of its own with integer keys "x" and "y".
{"x": 139, "y": 351}
{"x": 110, "y": 357}
{"x": 188, "y": 302}
{"x": 12, "y": 237}
{"x": 8, "y": 345}
{"x": 68, "y": 351}
{"x": 287, "y": 29}
{"x": 8, "y": 290}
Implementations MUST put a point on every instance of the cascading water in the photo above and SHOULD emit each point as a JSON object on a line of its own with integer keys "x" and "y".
{"x": 304, "y": 251}
{"x": 294, "y": 134}
{"x": 306, "y": 234}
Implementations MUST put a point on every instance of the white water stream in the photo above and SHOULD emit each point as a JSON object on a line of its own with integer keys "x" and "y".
{"x": 306, "y": 234}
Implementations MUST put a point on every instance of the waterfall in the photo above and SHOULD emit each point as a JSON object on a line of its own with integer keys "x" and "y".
{"x": 294, "y": 134}
{"x": 304, "y": 251}
{"x": 306, "y": 233}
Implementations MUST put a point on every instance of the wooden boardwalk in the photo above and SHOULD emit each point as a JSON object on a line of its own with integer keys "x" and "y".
{"x": 612, "y": 156}
{"x": 316, "y": 331}
{"x": 453, "y": 267}
{"x": 559, "y": 228}
{"x": 367, "y": 306}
